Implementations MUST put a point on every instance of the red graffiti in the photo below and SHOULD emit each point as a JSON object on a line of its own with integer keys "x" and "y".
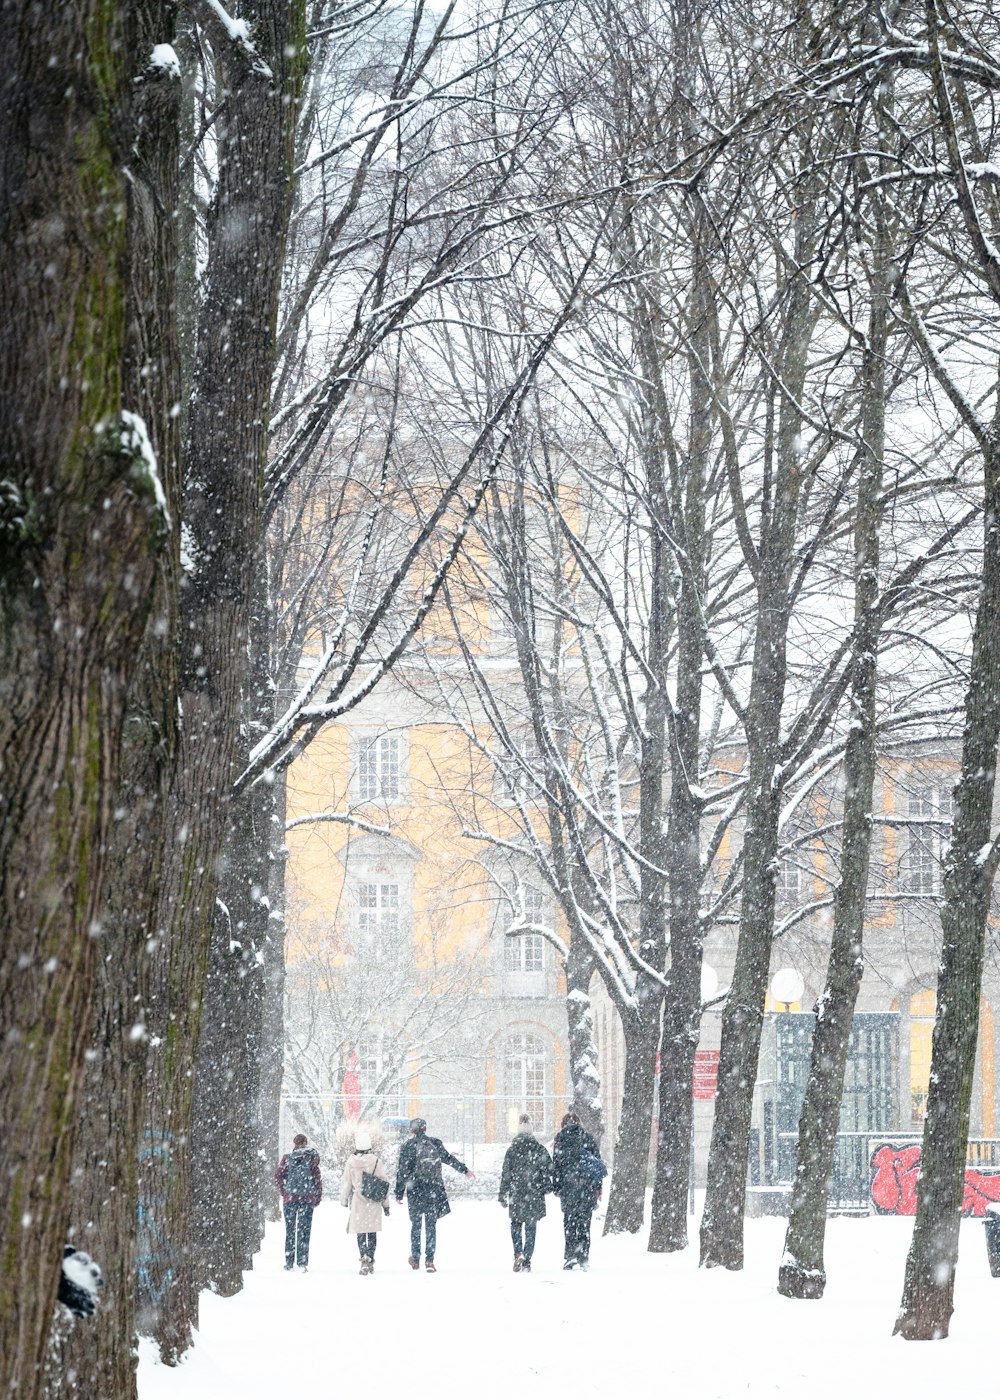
{"x": 894, "y": 1183}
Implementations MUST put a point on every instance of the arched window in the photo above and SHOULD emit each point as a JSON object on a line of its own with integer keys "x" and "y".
{"x": 526, "y": 1077}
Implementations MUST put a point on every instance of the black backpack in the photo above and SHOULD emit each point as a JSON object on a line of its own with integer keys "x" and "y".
{"x": 299, "y": 1180}
{"x": 426, "y": 1161}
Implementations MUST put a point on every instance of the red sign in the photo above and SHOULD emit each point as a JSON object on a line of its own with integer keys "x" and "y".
{"x": 706, "y": 1074}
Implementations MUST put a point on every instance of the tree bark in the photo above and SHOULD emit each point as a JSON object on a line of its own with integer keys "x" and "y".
{"x": 682, "y": 850}
{"x": 742, "y": 1019}
{"x": 584, "y": 1074}
{"x": 928, "y": 1289}
{"x": 81, "y": 527}
{"x": 929, "y": 1282}
{"x": 802, "y": 1273}
{"x": 98, "y": 1357}
{"x": 224, "y": 464}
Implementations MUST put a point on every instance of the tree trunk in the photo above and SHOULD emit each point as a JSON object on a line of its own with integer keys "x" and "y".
{"x": 802, "y": 1273}
{"x": 272, "y": 1051}
{"x": 722, "y": 1221}
{"x": 81, "y": 527}
{"x": 226, "y": 1134}
{"x": 584, "y": 1074}
{"x": 928, "y": 1289}
{"x": 224, "y": 461}
{"x": 627, "y": 1190}
{"x": 98, "y": 1357}
{"x": 682, "y": 850}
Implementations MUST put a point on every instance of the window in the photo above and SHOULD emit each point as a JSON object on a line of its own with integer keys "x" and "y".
{"x": 379, "y": 1074}
{"x": 929, "y": 810}
{"x": 526, "y": 953}
{"x": 922, "y": 1007}
{"x": 521, "y": 775}
{"x": 380, "y": 768}
{"x": 378, "y": 918}
{"x": 526, "y": 1076}
{"x": 790, "y": 876}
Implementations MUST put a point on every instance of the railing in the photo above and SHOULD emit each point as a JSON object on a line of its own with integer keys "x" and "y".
{"x": 851, "y": 1178}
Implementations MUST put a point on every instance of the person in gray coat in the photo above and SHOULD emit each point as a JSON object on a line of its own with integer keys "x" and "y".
{"x": 418, "y": 1177}
{"x": 524, "y": 1180}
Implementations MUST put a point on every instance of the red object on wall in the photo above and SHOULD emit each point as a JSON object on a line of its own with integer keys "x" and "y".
{"x": 706, "y": 1074}
{"x": 350, "y": 1086}
{"x": 894, "y": 1183}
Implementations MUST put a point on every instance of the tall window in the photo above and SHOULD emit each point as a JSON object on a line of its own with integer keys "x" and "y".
{"x": 526, "y": 1077}
{"x": 790, "y": 876}
{"x": 380, "y": 768}
{"x": 922, "y": 1006}
{"x": 378, "y": 918}
{"x": 930, "y": 811}
{"x": 378, "y": 1070}
{"x": 526, "y": 953}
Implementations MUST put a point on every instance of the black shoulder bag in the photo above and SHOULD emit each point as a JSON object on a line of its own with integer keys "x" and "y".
{"x": 373, "y": 1188}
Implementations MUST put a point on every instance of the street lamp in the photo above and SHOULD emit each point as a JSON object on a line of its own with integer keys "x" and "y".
{"x": 786, "y": 986}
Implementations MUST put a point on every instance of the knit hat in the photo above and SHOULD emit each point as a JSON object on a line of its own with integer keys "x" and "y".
{"x": 362, "y": 1140}
{"x": 418, "y": 1125}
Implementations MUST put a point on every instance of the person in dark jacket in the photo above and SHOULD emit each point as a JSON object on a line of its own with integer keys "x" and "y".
{"x": 576, "y": 1187}
{"x": 299, "y": 1180}
{"x": 524, "y": 1180}
{"x": 418, "y": 1175}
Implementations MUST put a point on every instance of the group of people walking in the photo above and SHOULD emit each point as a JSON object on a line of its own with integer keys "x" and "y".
{"x": 573, "y": 1172}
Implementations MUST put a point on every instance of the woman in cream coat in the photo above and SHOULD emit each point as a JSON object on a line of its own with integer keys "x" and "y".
{"x": 366, "y": 1216}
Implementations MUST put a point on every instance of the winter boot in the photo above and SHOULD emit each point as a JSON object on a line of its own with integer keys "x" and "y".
{"x": 414, "y": 1263}
{"x": 518, "y": 1263}
{"x": 430, "y": 1266}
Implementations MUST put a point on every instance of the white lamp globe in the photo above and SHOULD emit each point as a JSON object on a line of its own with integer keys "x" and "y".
{"x": 709, "y": 982}
{"x": 786, "y": 986}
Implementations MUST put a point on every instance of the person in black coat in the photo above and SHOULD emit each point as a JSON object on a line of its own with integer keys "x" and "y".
{"x": 576, "y": 1187}
{"x": 524, "y": 1180}
{"x": 418, "y": 1175}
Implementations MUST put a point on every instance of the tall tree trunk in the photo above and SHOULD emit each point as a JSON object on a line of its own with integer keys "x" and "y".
{"x": 99, "y": 1357}
{"x": 224, "y": 463}
{"x": 272, "y": 1036}
{"x": 928, "y": 1289}
{"x": 722, "y": 1221}
{"x": 226, "y": 1136}
{"x": 81, "y": 527}
{"x": 802, "y": 1273}
{"x": 627, "y": 1192}
{"x": 682, "y": 853}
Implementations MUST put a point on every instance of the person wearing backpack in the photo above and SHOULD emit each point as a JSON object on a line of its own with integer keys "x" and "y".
{"x": 364, "y": 1188}
{"x": 577, "y": 1172}
{"x": 419, "y": 1177}
{"x": 524, "y": 1179}
{"x": 301, "y": 1185}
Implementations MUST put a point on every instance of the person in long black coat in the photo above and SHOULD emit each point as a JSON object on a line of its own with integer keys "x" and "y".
{"x": 577, "y": 1190}
{"x": 418, "y": 1176}
{"x": 525, "y": 1178}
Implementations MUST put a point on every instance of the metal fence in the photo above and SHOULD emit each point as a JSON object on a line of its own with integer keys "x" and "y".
{"x": 851, "y": 1179}
{"x": 477, "y": 1128}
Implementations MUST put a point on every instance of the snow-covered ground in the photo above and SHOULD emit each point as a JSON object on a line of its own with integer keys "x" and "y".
{"x": 636, "y": 1324}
